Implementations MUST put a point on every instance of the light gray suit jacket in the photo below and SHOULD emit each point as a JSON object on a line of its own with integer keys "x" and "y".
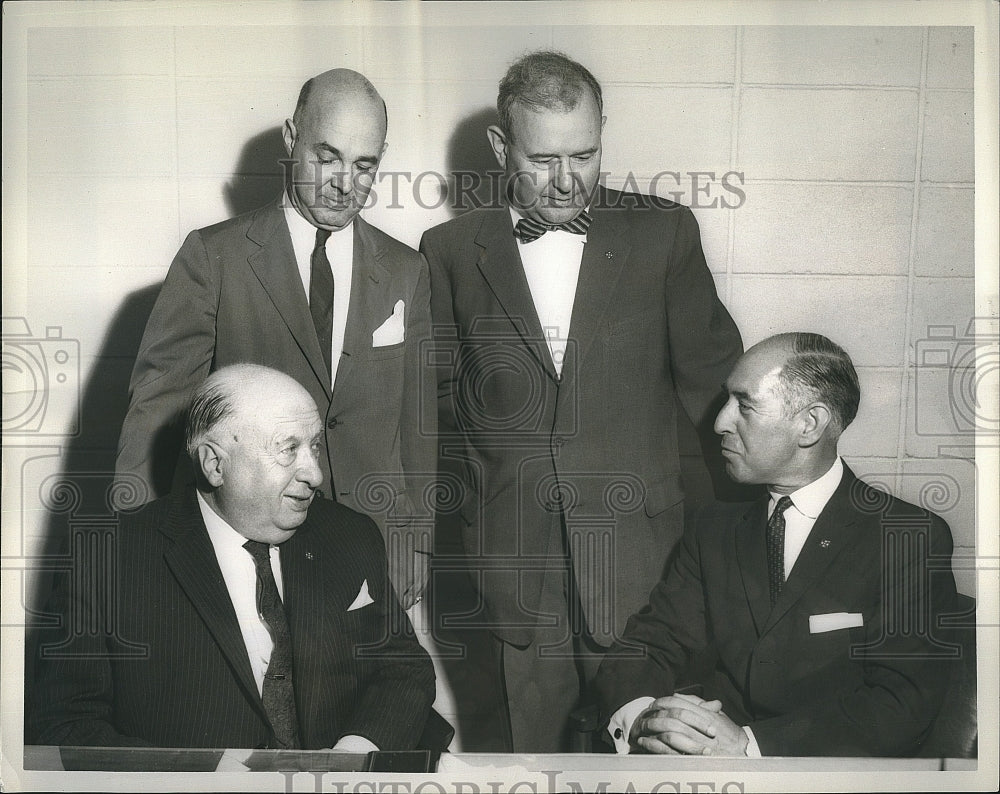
{"x": 234, "y": 294}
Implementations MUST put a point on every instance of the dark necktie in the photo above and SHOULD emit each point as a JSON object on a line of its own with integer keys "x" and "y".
{"x": 278, "y": 693}
{"x": 321, "y": 297}
{"x": 528, "y": 229}
{"x": 776, "y": 548}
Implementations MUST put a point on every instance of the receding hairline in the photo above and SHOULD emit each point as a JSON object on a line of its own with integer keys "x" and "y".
{"x": 337, "y": 84}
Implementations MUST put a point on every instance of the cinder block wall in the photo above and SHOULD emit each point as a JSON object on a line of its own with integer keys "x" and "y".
{"x": 853, "y": 148}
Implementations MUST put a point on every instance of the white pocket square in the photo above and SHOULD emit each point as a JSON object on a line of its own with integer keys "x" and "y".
{"x": 818, "y": 624}
{"x": 393, "y": 330}
{"x": 363, "y": 598}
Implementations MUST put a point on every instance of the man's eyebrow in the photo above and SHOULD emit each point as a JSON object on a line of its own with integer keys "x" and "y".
{"x": 326, "y": 147}
{"x": 542, "y": 155}
{"x": 741, "y": 395}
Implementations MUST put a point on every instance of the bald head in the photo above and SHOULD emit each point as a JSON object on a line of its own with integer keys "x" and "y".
{"x": 335, "y": 140}
{"x": 255, "y": 437}
{"x": 232, "y": 395}
{"x": 338, "y": 85}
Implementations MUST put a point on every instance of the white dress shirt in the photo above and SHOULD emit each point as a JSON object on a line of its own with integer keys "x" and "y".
{"x": 552, "y": 267}
{"x": 239, "y": 571}
{"x": 340, "y": 252}
{"x": 807, "y": 503}
{"x": 240, "y": 574}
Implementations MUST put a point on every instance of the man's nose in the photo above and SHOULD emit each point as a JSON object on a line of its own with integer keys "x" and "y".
{"x": 340, "y": 179}
{"x": 310, "y": 472}
{"x": 563, "y": 177}
{"x": 724, "y": 420}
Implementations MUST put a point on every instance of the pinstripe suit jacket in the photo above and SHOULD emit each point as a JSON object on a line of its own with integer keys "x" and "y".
{"x": 158, "y": 658}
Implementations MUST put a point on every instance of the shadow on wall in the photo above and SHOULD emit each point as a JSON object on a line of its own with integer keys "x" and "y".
{"x": 473, "y": 178}
{"x": 76, "y": 501}
{"x": 258, "y": 174}
{"x": 79, "y": 519}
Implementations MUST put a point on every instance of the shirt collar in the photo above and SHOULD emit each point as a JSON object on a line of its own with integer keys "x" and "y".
{"x": 298, "y": 227}
{"x": 226, "y": 540}
{"x": 812, "y": 498}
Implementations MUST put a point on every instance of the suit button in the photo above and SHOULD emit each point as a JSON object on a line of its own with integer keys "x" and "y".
{"x": 331, "y": 422}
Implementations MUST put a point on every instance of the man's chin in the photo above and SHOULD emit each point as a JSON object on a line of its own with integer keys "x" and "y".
{"x": 554, "y": 215}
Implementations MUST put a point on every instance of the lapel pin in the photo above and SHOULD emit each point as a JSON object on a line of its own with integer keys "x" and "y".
{"x": 309, "y": 555}
{"x": 825, "y": 544}
{"x": 609, "y": 254}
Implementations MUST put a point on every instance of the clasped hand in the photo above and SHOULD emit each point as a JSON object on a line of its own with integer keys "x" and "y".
{"x": 686, "y": 724}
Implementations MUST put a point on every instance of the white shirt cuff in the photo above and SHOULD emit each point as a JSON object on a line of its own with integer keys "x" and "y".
{"x": 620, "y": 725}
{"x": 753, "y": 749}
{"x": 354, "y": 744}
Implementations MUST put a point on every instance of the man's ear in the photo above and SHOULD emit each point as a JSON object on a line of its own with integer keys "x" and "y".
{"x": 211, "y": 462}
{"x": 815, "y": 419}
{"x": 288, "y": 133}
{"x": 498, "y": 142}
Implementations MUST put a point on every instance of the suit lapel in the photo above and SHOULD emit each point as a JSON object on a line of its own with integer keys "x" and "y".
{"x": 835, "y": 530}
{"x": 369, "y": 280}
{"x": 192, "y": 561}
{"x": 306, "y": 601}
{"x": 604, "y": 258}
{"x": 500, "y": 264}
{"x": 751, "y": 556}
{"x": 273, "y": 262}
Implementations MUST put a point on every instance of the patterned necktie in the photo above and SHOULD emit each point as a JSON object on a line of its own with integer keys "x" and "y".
{"x": 528, "y": 229}
{"x": 321, "y": 297}
{"x": 278, "y": 693}
{"x": 776, "y": 548}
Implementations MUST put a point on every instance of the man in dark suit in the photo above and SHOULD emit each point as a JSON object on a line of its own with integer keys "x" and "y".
{"x": 306, "y": 286}
{"x": 565, "y": 433}
{"x": 821, "y": 601}
{"x": 246, "y": 613}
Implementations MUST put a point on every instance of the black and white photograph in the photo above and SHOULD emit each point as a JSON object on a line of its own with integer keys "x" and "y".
{"x": 572, "y": 395}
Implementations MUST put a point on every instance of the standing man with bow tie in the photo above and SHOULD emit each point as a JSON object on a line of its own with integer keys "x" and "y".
{"x": 305, "y": 285}
{"x": 572, "y": 326}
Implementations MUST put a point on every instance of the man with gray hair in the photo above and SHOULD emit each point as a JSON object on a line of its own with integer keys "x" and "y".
{"x": 306, "y": 285}
{"x": 574, "y": 326}
{"x": 243, "y": 613}
{"x": 821, "y": 602}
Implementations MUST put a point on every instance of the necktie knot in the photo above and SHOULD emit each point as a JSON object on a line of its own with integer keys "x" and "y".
{"x": 261, "y": 552}
{"x": 322, "y": 235}
{"x": 528, "y": 230}
{"x": 783, "y": 504}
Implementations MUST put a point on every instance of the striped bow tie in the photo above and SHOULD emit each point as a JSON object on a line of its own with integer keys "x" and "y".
{"x": 528, "y": 229}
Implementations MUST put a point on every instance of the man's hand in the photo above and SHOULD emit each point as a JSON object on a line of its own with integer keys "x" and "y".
{"x": 412, "y": 579}
{"x": 686, "y": 724}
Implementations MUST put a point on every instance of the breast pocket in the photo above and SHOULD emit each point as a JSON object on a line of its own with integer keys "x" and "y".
{"x": 382, "y": 353}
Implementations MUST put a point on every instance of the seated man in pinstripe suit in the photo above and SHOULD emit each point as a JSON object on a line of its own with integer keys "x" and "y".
{"x": 243, "y": 613}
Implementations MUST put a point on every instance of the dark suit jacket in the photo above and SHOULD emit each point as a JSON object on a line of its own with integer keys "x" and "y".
{"x": 156, "y": 656}
{"x": 233, "y": 294}
{"x": 597, "y": 445}
{"x": 870, "y": 690}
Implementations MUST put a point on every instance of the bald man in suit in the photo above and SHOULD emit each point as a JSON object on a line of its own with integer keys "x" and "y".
{"x": 821, "y": 602}
{"x": 307, "y": 286}
{"x": 243, "y": 613}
